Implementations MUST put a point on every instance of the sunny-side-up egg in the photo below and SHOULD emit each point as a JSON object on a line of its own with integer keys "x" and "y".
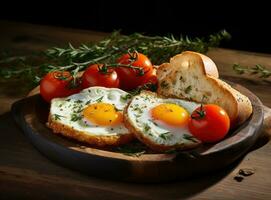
{"x": 162, "y": 122}
{"x": 95, "y": 111}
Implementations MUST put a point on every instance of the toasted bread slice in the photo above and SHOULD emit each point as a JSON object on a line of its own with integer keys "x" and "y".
{"x": 193, "y": 76}
{"x": 160, "y": 138}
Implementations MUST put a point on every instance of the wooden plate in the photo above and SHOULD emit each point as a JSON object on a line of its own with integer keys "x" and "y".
{"x": 31, "y": 115}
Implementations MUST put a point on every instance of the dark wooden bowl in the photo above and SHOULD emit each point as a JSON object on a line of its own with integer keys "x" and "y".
{"x": 31, "y": 115}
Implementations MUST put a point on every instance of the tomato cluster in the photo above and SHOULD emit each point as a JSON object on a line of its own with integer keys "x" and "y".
{"x": 132, "y": 70}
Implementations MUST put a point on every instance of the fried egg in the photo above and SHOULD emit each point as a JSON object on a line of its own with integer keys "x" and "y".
{"x": 95, "y": 111}
{"x": 161, "y": 121}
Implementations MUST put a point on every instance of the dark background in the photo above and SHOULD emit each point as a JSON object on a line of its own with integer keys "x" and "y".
{"x": 248, "y": 23}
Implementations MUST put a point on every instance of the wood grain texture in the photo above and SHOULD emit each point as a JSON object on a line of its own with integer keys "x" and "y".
{"x": 25, "y": 173}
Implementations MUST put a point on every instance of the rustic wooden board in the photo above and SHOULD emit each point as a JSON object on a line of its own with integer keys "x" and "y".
{"x": 31, "y": 115}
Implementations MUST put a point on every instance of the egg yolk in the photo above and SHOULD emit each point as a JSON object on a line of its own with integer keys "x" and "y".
{"x": 170, "y": 114}
{"x": 103, "y": 114}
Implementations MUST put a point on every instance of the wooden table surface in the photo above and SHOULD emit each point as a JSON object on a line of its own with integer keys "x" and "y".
{"x": 25, "y": 173}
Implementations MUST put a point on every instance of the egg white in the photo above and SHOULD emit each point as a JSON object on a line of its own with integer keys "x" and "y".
{"x": 68, "y": 110}
{"x": 139, "y": 113}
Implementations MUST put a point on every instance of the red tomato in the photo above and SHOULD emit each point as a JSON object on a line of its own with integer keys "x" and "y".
{"x": 131, "y": 78}
{"x": 95, "y": 75}
{"x": 209, "y": 123}
{"x": 57, "y": 84}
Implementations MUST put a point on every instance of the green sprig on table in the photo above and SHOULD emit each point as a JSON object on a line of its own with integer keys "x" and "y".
{"x": 158, "y": 48}
{"x": 258, "y": 69}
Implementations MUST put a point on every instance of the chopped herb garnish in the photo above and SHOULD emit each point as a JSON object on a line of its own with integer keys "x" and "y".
{"x": 136, "y": 108}
{"x": 88, "y": 102}
{"x": 78, "y": 108}
{"x": 153, "y": 122}
{"x": 150, "y": 134}
{"x": 146, "y": 127}
{"x": 99, "y": 99}
{"x": 68, "y": 100}
{"x": 165, "y": 136}
{"x": 188, "y": 89}
{"x": 126, "y": 97}
{"x": 189, "y": 137}
{"x": 147, "y": 98}
{"x": 78, "y": 101}
{"x": 57, "y": 117}
{"x": 75, "y": 117}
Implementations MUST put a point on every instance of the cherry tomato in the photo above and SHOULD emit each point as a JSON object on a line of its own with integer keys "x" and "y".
{"x": 57, "y": 84}
{"x": 97, "y": 75}
{"x": 209, "y": 123}
{"x": 132, "y": 78}
{"x": 152, "y": 78}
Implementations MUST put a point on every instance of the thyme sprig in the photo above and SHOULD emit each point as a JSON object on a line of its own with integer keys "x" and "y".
{"x": 257, "y": 69}
{"x": 158, "y": 48}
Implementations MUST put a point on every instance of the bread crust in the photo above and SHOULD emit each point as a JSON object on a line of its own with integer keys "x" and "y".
{"x": 237, "y": 105}
{"x": 99, "y": 141}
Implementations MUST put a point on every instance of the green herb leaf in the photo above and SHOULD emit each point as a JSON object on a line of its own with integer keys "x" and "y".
{"x": 88, "y": 102}
{"x": 190, "y": 137}
{"x": 165, "y": 136}
{"x": 257, "y": 69}
{"x": 75, "y": 117}
{"x": 146, "y": 128}
{"x": 78, "y": 101}
{"x": 57, "y": 117}
{"x": 126, "y": 97}
{"x": 99, "y": 99}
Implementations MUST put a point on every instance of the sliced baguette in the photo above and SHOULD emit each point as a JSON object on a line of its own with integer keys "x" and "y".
{"x": 193, "y": 76}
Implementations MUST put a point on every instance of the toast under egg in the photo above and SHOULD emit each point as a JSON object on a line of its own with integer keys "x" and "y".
{"x": 93, "y": 116}
{"x": 147, "y": 117}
